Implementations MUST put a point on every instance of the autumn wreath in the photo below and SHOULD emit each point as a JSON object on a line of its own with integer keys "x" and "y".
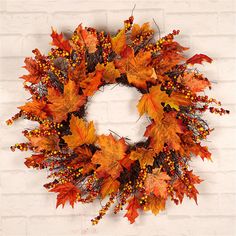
{"x": 85, "y": 166}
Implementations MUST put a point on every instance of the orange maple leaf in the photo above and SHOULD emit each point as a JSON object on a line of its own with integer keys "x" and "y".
{"x": 133, "y": 206}
{"x": 194, "y": 82}
{"x": 35, "y": 161}
{"x": 66, "y": 192}
{"x": 91, "y": 83}
{"x": 156, "y": 183}
{"x": 155, "y": 204}
{"x": 82, "y": 133}
{"x": 35, "y": 71}
{"x": 143, "y": 155}
{"x": 59, "y": 41}
{"x": 138, "y": 31}
{"x": 112, "y": 151}
{"x": 110, "y": 73}
{"x": 198, "y": 59}
{"x": 181, "y": 187}
{"x": 136, "y": 67}
{"x": 36, "y": 107}
{"x": 109, "y": 186}
{"x": 44, "y": 143}
{"x": 118, "y": 43}
{"x": 87, "y": 39}
{"x": 165, "y": 132}
{"x": 151, "y": 103}
{"x": 62, "y": 104}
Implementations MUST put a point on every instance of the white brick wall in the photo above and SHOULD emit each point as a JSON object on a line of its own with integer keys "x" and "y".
{"x": 207, "y": 26}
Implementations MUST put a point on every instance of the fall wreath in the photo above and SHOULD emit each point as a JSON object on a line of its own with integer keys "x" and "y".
{"x": 85, "y": 166}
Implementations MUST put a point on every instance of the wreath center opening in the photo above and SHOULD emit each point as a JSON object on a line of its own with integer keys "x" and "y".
{"x": 113, "y": 110}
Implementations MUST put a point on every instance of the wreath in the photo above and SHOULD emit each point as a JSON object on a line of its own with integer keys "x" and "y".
{"x": 84, "y": 166}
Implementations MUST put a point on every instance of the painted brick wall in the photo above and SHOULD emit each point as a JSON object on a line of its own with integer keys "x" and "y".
{"x": 207, "y": 26}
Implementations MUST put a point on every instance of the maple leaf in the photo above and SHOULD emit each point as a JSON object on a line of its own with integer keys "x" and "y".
{"x": 59, "y": 41}
{"x": 83, "y": 160}
{"x": 155, "y": 204}
{"x": 136, "y": 67}
{"x": 66, "y": 192}
{"x": 36, "y": 107}
{"x": 151, "y": 103}
{"x": 126, "y": 162}
{"x": 156, "y": 183}
{"x": 165, "y": 132}
{"x": 110, "y": 73}
{"x": 82, "y": 133}
{"x": 35, "y": 161}
{"x": 198, "y": 59}
{"x": 109, "y": 186}
{"x": 168, "y": 57}
{"x": 143, "y": 155}
{"x": 189, "y": 147}
{"x": 112, "y": 151}
{"x": 35, "y": 71}
{"x": 118, "y": 43}
{"x": 44, "y": 143}
{"x": 77, "y": 72}
{"x": 194, "y": 82}
{"x": 181, "y": 187}
{"x": 132, "y": 213}
{"x": 62, "y": 104}
{"x": 87, "y": 38}
{"x": 91, "y": 84}
{"x": 139, "y": 32}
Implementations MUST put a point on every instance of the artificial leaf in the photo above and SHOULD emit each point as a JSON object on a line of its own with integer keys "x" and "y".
{"x": 110, "y": 73}
{"x": 189, "y": 146}
{"x": 35, "y": 71}
{"x": 138, "y": 32}
{"x": 36, "y": 107}
{"x": 155, "y": 204}
{"x": 87, "y": 38}
{"x": 143, "y": 155}
{"x": 185, "y": 185}
{"x": 44, "y": 143}
{"x": 77, "y": 72}
{"x": 118, "y": 43}
{"x": 112, "y": 151}
{"x": 198, "y": 59}
{"x": 35, "y": 161}
{"x": 66, "y": 192}
{"x": 151, "y": 103}
{"x": 59, "y": 41}
{"x": 109, "y": 186}
{"x": 156, "y": 183}
{"x": 194, "y": 82}
{"x": 165, "y": 132}
{"x": 132, "y": 209}
{"x": 62, "y": 104}
{"x": 126, "y": 162}
{"x": 83, "y": 160}
{"x": 136, "y": 67}
{"x": 82, "y": 133}
{"x": 169, "y": 56}
{"x": 91, "y": 84}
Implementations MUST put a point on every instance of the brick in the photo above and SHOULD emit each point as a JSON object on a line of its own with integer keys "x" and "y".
{"x": 97, "y": 111}
{"x": 227, "y": 20}
{"x": 32, "y": 23}
{"x": 30, "y": 42}
{"x": 207, "y": 45}
{"x": 54, "y": 225}
{"x": 12, "y": 68}
{"x": 6, "y": 46}
{"x": 14, "y": 226}
{"x": 195, "y": 24}
{"x": 67, "y": 22}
